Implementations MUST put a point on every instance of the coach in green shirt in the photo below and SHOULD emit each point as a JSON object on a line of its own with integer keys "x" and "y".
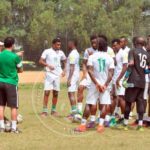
{"x": 10, "y": 65}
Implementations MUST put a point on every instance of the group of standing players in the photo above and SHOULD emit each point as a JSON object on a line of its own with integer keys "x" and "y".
{"x": 114, "y": 77}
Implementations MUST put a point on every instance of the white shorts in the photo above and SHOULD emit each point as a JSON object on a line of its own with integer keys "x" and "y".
{"x": 93, "y": 96}
{"x": 86, "y": 82}
{"x": 74, "y": 84}
{"x": 120, "y": 91}
{"x": 51, "y": 83}
{"x": 146, "y": 91}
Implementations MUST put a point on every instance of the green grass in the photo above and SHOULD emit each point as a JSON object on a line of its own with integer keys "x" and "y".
{"x": 57, "y": 134}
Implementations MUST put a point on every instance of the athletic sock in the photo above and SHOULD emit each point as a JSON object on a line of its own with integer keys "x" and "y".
{"x": 140, "y": 123}
{"x": 53, "y": 108}
{"x": 45, "y": 110}
{"x": 73, "y": 109}
{"x": 92, "y": 118}
{"x": 107, "y": 118}
{"x": 14, "y": 124}
{"x": 83, "y": 121}
{"x": 131, "y": 114}
{"x": 79, "y": 107}
{"x": 2, "y": 125}
{"x": 122, "y": 116}
{"x": 125, "y": 121}
{"x": 117, "y": 110}
{"x": 101, "y": 121}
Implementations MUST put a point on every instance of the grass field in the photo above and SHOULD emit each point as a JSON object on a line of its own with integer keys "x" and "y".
{"x": 57, "y": 134}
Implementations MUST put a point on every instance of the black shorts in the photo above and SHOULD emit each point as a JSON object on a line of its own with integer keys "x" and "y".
{"x": 134, "y": 94}
{"x": 8, "y": 95}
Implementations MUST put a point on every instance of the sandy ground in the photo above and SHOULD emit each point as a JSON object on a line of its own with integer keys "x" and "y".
{"x": 34, "y": 77}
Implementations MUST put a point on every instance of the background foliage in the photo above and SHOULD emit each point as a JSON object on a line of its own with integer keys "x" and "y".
{"x": 34, "y": 23}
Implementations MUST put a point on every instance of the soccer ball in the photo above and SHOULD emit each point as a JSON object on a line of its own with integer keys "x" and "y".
{"x": 19, "y": 118}
{"x": 77, "y": 118}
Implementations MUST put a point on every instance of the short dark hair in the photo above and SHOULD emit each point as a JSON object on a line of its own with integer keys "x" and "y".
{"x": 115, "y": 41}
{"x": 93, "y": 37}
{"x": 103, "y": 36}
{"x": 102, "y": 44}
{"x": 9, "y": 42}
{"x": 56, "y": 40}
{"x": 75, "y": 42}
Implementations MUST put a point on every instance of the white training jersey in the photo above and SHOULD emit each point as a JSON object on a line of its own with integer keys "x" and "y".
{"x": 101, "y": 63}
{"x": 88, "y": 52}
{"x": 73, "y": 59}
{"x": 126, "y": 49}
{"x": 121, "y": 58}
{"x": 53, "y": 58}
{"x": 110, "y": 52}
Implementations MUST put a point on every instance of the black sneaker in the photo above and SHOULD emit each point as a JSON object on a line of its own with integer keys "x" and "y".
{"x": 2, "y": 130}
{"x": 17, "y": 131}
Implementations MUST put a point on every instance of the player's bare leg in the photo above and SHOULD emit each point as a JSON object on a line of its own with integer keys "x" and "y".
{"x": 122, "y": 106}
{"x": 45, "y": 103}
{"x": 80, "y": 97}
{"x": 2, "y": 125}
{"x": 54, "y": 103}
{"x": 105, "y": 109}
{"x": 89, "y": 109}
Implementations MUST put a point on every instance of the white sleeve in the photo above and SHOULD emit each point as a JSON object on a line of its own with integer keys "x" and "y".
{"x": 44, "y": 54}
{"x": 63, "y": 56}
{"x": 112, "y": 64}
{"x": 125, "y": 58}
{"x": 72, "y": 58}
{"x": 90, "y": 61}
{"x": 86, "y": 54}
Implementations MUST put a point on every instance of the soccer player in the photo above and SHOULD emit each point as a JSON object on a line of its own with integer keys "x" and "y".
{"x": 100, "y": 69}
{"x": 51, "y": 59}
{"x": 10, "y": 66}
{"x": 124, "y": 43}
{"x": 73, "y": 74}
{"x": 86, "y": 81}
{"x": 139, "y": 58}
{"x": 120, "y": 69}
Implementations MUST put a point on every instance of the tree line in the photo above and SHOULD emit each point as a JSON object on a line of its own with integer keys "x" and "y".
{"x": 34, "y": 23}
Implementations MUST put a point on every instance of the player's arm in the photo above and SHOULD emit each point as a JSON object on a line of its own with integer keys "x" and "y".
{"x": 20, "y": 54}
{"x": 64, "y": 62}
{"x": 71, "y": 71}
{"x": 43, "y": 62}
{"x": 65, "y": 66}
{"x": 110, "y": 72}
{"x": 124, "y": 69}
{"x": 84, "y": 68}
{"x": 19, "y": 64}
{"x": 110, "y": 75}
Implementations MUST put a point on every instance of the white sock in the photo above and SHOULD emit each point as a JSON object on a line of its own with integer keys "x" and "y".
{"x": 140, "y": 122}
{"x": 126, "y": 121}
{"x": 83, "y": 121}
{"x": 2, "y": 125}
{"x": 117, "y": 109}
{"x": 107, "y": 118}
{"x": 131, "y": 114}
{"x": 14, "y": 124}
{"x": 101, "y": 121}
{"x": 122, "y": 115}
{"x": 79, "y": 106}
{"x": 92, "y": 118}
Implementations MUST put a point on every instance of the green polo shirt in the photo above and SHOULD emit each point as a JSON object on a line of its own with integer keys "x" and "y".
{"x": 9, "y": 62}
